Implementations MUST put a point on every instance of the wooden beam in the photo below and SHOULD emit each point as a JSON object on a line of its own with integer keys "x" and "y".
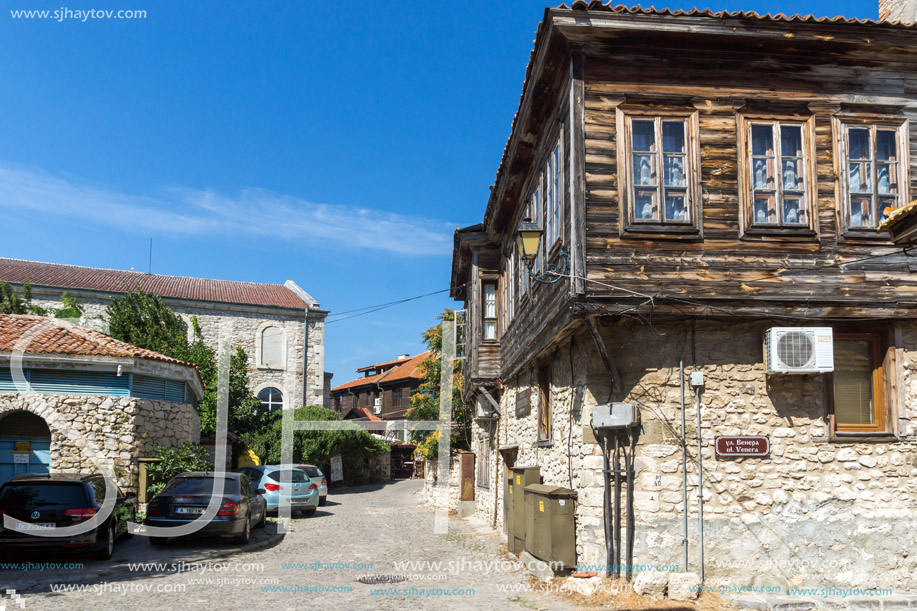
{"x": 607, "y": 360}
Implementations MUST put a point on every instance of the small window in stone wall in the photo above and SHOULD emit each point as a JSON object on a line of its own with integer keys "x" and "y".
{"x": 272, "y": 348}
{"x": 271, "y": 400}
{"x": 482, "y": 460}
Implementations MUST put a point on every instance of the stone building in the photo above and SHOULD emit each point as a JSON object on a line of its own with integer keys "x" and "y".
{"x": 281, "y": 327}
{"x": 701, "y": 181}
{"x": 85, "y": 401}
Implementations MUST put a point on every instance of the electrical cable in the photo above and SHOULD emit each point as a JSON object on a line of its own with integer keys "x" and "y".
{"x": 382, "y": 306}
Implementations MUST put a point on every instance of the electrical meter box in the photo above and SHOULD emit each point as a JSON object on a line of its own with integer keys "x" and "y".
{"x": 515, "y": 534}
{"x": 615, "y": 416}
{"x": 550, "y": 531}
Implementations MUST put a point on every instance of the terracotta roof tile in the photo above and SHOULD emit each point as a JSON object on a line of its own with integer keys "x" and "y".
{"x": 408, "y": 369}
{"x": 118, "y": 281}
{"x": 67, "y": 339}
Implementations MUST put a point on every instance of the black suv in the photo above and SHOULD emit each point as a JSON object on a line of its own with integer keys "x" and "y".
{"x": 46, "y": 502}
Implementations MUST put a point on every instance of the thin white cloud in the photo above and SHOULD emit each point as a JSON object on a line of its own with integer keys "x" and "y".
{"x": 196, "y": 212}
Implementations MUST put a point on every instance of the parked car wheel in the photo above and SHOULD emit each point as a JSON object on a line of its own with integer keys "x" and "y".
{"x": 158, "y": 540}
{"x": 263, "y": 521}
{"x": 246, "y": 535}
{"x": 108, "y": 545}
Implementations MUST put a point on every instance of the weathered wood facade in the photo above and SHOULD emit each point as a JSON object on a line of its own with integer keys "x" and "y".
{"x": 391, "y": 384}
{"x": 593, "y": 68}
{"x": 719, "y": 175}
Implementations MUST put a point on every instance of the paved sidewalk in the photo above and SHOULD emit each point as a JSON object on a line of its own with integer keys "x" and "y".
{"x": 362, "y": 532}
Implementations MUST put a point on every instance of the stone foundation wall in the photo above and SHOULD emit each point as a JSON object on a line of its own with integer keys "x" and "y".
{"x": 121, "y": 429}
{"x": 815, "y": 513}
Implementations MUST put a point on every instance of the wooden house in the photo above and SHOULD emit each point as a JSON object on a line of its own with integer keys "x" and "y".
{"x": 702, "y": 180}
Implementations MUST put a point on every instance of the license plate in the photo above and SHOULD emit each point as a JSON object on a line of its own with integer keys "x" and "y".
{"x": 191, "y": 510}
{"x": 300, "y": 501}
{"x": 36, "y": 526}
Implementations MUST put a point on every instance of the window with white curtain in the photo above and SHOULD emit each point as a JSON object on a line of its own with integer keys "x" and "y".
{"x": 874, "y": 176}
{"x": 490, "y": 310}
{"x": 778, "y": 173}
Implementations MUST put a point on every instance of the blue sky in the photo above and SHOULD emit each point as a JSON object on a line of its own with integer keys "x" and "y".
{"x": 334, "y": 144}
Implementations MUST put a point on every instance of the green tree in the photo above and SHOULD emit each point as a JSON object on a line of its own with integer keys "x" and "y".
{"x": 73, "y": 307}
{"x": 173, "y": 461}
{"x": 316, "y": 447}
{"x": 142, "y": 319}
{"x": 12, "y": 302}
{"x": 425, "y": 402}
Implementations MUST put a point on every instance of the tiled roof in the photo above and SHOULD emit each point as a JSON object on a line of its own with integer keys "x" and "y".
{"x": 67, "y": 339}
{"x": 118, "y": 281}
{"x": 385, "y": 364}
{"x": 597, "y": 5}
{"x": 408, "y": 369}
{"x": 362, "y": 412}
{"x": 361, "y": 381}
{"x": 580, "y": 6}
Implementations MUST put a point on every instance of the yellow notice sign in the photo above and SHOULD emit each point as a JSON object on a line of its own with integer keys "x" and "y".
{"x": 22, "y": 446}
{"x": 541, "y": 506}
{"x": 510, "y": 488}
{"x": 518, "y": 480}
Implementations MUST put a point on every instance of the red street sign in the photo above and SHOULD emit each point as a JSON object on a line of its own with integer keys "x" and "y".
{"x": 743, "y": 446}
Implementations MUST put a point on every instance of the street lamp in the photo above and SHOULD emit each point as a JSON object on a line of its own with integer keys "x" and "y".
{"x": 528, "y": 241}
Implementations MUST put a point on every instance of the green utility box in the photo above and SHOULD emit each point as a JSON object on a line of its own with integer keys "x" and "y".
{"x": 515, "y": 531}
{"x": 550, "y": 530}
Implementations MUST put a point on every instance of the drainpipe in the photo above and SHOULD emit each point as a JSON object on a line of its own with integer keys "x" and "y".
{"x": 684, "y": 464}
{"x": 305, "y": 358}
{"x": 697, "y": 381}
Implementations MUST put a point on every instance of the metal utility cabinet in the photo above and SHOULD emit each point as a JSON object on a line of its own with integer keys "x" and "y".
{"x": 515, "y": 532}
{"x": 550, "y": 530}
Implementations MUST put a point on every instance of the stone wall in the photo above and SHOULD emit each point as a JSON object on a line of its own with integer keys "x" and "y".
{"x": 815, "y": 513}
{"x": 241, "y": 326}
{"x": 443, "y": 493}
{"x": 121, "y": 429}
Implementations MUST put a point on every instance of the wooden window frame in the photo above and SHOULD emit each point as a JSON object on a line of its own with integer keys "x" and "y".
{"x": 842, "y": 123}
{"x": 397, "y": 397}
{"x": 496, "y": 317}
{"x": 543, "y": 380}
{"x": 630, "y": 227}
{"x": 554, "y": 173}
{"x": 744, "y": 123}
{"x": 885, "y": 386}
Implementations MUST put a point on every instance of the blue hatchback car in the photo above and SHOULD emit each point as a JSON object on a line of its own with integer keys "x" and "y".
{"x": 302, "y": 492}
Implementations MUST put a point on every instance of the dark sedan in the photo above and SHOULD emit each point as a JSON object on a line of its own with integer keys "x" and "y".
{"x": 43, "y": 502}
{"x": 185, "y": 498}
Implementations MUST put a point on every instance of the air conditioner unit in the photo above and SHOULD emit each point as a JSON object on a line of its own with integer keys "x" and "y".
{"x": 377, "y": 406}
{"x": 799, "y": 350}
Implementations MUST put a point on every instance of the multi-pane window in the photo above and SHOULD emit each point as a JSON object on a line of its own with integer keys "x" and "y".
{"x": 859, "y": 383}
{"x": 396, "y": 397}
{"x": 490, "y": 310}
{"x": 873, "y": 174}
{"x": 777, "y": 168}
{"x": 659, "y": 171}
{"x": 552, "y": 197}
{"x": 536, "y": 205}
{"x": 271, "y": 400}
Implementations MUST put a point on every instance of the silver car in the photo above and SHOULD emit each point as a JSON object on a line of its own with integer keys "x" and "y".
{"x": 316, "y": 475}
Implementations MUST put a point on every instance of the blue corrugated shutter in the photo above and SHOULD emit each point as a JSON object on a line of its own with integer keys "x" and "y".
{"x": 6, "y": 381}
{"x": 161, "y": 389}
{"x": 175, "y": 391}
{"x": 62, "y": 382}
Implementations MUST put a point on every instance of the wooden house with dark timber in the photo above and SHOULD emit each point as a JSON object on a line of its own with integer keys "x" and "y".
{"x": 712, "y": 191}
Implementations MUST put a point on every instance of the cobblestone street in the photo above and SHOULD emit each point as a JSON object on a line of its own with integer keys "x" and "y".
{"x": 368, "y": 529}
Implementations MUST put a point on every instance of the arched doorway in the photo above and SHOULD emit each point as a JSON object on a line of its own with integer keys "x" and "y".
{"x": 25, "y": 445}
